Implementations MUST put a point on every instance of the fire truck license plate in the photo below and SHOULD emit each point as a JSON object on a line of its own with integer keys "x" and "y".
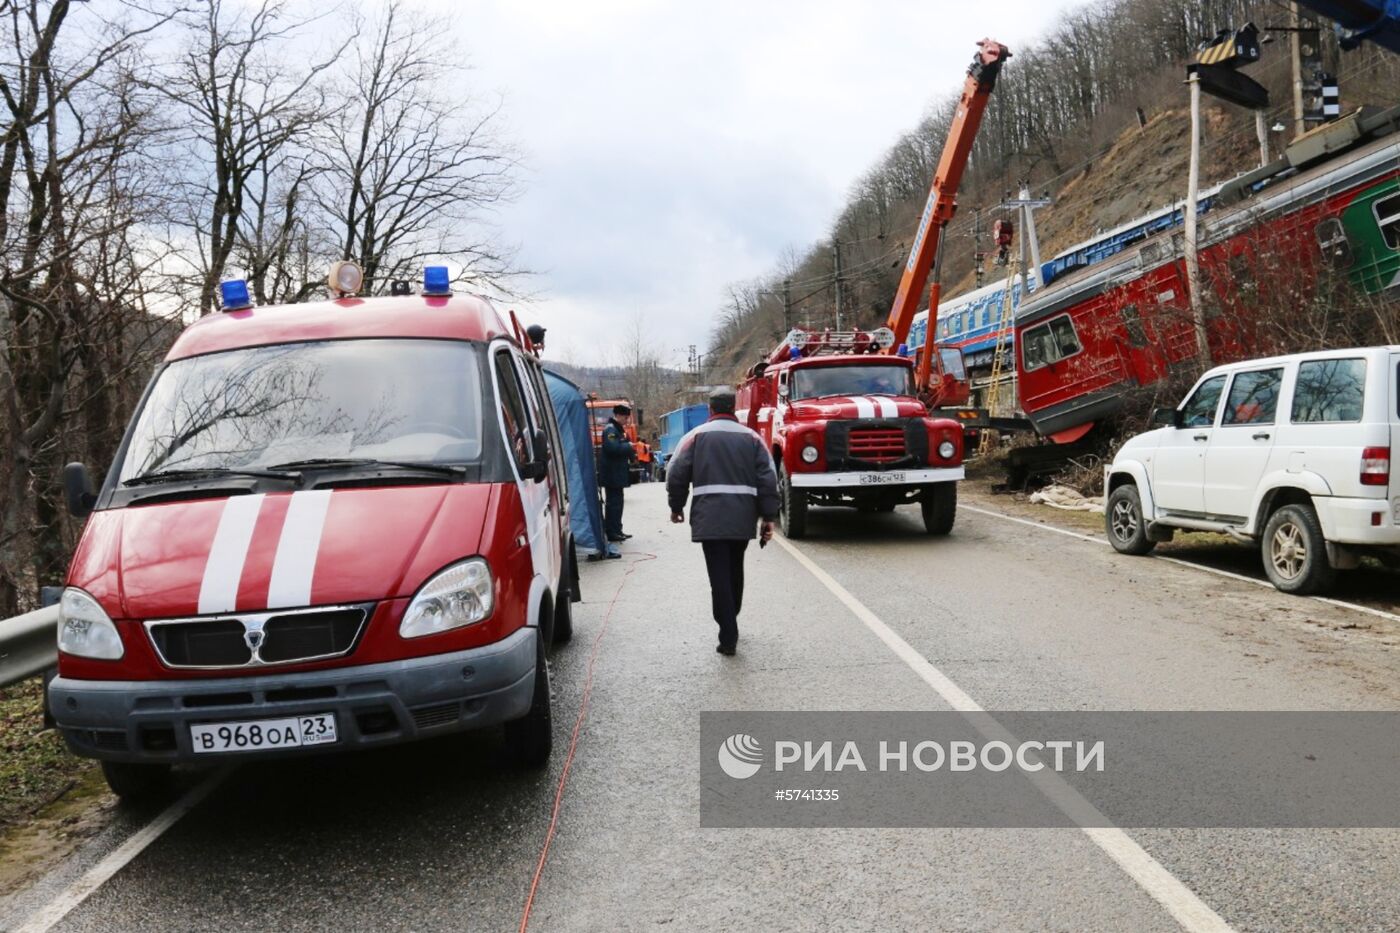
{"x": 261, "y": 734}
{"x": 879, "y": 479}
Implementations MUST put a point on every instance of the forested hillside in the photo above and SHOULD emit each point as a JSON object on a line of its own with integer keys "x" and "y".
{"x": 1062, "y": 116}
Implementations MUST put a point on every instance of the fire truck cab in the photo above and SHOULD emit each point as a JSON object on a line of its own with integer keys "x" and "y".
{"x": 847, "y": 428}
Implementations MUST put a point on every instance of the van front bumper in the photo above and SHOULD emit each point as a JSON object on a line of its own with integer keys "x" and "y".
{"x": 373, "y": 704}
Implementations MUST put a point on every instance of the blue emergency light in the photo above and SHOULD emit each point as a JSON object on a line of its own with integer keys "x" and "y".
{"x": 436, "y": 281}
{"x": 233, "y": 295}
{"x": 794, "y": 353}
{"x": 904, "y": 349}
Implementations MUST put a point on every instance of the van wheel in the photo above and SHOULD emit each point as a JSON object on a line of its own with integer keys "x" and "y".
{"x": 793, "y": 515}
{"x": 1124, "y": 523}
{"x": 940, "y": 507}
{"x": 1295, "y": 552}
{"x": 531, "y": 738}
{"x": 137, "y": 782}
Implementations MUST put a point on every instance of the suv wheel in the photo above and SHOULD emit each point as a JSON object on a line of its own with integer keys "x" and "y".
{"x": 1123, "y": 521}
{"x": 531, "y": 738}
{"x": 793, "y": 516}
{"x": 940, "y": 507}
{"x": 136, "y": 782}
{"x": 1295, "y": 552}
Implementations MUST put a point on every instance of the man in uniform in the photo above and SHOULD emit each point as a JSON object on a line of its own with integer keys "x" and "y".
{"x": 734, "y": 486}
{"x": 617, "y": 456}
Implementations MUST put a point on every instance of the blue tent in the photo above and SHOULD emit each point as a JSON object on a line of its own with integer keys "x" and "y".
{"x": 585, "y": 512}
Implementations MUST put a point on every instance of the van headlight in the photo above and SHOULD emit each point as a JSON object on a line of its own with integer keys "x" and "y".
{"x": 463, "y": 594}
{"x": 946, "y": 450}
{"x": 84, "y": 628}
{"x": 809, "y": 454}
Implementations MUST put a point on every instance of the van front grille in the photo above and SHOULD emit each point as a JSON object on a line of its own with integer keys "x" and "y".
{"x": 258, "y": 639}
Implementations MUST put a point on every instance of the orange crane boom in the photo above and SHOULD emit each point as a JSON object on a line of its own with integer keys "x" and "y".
{"x": 927, "y": 252}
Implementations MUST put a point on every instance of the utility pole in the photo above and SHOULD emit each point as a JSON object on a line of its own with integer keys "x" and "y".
{"x": 1193, "y": 272}
{"x": 836, "y": 257}
{"x": 1295, "y": 49}
{"x": 1026, "y": 205}
{"x": 978, "y": 255}
{"x": 787, "y": 305}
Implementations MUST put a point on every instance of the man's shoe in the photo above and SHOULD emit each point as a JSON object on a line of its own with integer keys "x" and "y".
{"x": 625, "y": 536}
{"x": 617, "y": 539}
{"x": 725, "y": 649}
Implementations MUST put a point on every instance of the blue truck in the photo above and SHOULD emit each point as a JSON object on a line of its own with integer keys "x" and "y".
{"x": 676, "y": 425}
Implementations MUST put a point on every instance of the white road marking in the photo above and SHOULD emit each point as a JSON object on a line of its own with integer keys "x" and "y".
{"x": 114, "y": 861}
{"x": 223, "y": 569}
{"x": 297, "y": 548}
{"x": 1355, "y": 607}
{"x": 1181, "y": 902}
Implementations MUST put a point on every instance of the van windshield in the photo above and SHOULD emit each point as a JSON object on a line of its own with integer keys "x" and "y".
{"x": 386, "y": 399}
{"x": 818, "y": 381}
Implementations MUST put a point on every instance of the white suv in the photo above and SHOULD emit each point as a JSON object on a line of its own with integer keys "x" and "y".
{"x": 1293, "y": 452}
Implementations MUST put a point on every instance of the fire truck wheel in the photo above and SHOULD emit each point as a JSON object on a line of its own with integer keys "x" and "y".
{"x": 530, "y": 738}
{"x": 940, "y": 507}
{"x": 1123, "y": 521}
{"x": 793, "y": 515}
{"x": 137, "y": 783}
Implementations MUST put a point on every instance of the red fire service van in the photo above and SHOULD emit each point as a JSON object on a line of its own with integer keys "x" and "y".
{"x": 846, "y": 429}
{"x": 332, "y": 525}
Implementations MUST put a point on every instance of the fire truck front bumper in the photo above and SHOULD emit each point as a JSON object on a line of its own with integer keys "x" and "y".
{"x": 860, "y": 478}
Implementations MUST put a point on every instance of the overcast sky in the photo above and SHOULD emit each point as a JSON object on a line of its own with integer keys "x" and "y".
{"x": 673, "y": 147}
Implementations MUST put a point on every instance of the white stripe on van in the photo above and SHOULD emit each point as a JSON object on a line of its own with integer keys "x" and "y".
{"x": 888, "y": 409}
{"x": 865, "y": 408}
{"x": 218, "y": 592}
{"x": 297, "y": 548}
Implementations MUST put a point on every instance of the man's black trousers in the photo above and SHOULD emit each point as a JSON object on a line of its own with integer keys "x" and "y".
{"x": 612, "y": 512}
{"x": 725, "y": 562}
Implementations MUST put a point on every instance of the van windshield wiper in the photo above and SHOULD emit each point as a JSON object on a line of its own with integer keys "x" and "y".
{"x": 175, "y": 476}
{"x": 330, "y": 463}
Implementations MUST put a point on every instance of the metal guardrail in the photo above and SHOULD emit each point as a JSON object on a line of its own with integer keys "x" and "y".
{"x": 28, "y": 645}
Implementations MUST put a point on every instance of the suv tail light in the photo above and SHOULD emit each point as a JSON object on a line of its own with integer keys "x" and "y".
{"x": 1375, "y": 466}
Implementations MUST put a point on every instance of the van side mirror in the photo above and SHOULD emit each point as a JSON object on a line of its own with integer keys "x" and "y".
{"x": 538, "y": 468}
{"x": 77, "y": 490}
{"x": 1166, "y": 418}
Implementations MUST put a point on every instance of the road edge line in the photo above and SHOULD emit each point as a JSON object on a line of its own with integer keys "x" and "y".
{"x": 55, "y": 910}
{"x": 1166, "y": 889}
{"x": 1340, "y": 604}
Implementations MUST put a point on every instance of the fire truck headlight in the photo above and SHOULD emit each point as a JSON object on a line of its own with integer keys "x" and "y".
{"x": 84, "y": 628}
{"x": 810, "y": 454}
{"x": 947, "y": 450}
{"x": 463, "y": 594}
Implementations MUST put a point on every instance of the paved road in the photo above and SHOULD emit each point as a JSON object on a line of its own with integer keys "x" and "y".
{"x": 442, "y": 837}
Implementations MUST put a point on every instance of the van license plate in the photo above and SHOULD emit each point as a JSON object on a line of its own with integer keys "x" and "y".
{"x": 880, "y": 479}
{"x": 262, "y": 734}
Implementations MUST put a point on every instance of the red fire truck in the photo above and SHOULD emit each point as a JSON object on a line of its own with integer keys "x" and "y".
{"x": 846, "y": 428}
{"x": 847, "y": 414}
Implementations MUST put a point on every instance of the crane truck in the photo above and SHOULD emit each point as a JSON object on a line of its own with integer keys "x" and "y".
{"x": 847, "y": 414}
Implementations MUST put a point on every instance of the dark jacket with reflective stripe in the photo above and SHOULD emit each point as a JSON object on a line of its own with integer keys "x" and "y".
{"x": 732, "y": 475}
{"x": 615, "y": 466}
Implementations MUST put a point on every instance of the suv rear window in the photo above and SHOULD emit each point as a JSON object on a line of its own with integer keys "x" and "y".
{"x": 1329, "y": 391}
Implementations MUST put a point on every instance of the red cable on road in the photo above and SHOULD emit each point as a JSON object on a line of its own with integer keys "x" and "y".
{"x": 573, "y": 741}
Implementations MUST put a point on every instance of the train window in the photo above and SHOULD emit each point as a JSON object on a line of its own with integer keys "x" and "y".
{"x": 1329, "y": 390}
{"x": 1050, "y": 342}
{"x": 956, "y": 321}
{"x": 1253, "y": 397}
{"x": 987, "y": 314}
{"x": 1132, "y": 323}
{"x": 1332, "y": 240}
{"x": 1388, "y": 219}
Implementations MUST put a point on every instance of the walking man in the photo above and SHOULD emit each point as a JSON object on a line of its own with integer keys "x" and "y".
{"x": 729, "y": 473}
{"x": 616, "y": 470}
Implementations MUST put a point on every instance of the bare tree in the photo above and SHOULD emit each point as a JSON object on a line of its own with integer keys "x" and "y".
{"x": 249, "y": 94}
{"x": 414, "y": 163}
